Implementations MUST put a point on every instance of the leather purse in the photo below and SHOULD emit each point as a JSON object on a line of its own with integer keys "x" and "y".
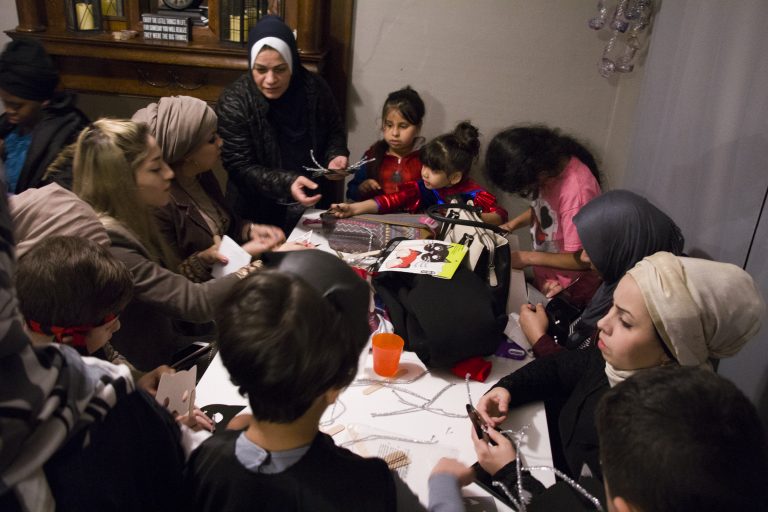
{"x": 489, "y": 254}
{"x": 563, "y": 317}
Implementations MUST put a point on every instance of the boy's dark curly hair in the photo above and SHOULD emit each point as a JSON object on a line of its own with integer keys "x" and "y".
{"x": 284, "y": 345}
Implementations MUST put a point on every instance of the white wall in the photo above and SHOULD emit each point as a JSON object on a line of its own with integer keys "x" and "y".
{"x": 700, "y": 146}
{"x": 10, "y": 20}
{"x": 494, "y": 62}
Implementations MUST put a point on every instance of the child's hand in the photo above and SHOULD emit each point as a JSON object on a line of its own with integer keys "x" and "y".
{"x": 493, "y": 458}
{"x": 198, "y": 420}
{"x": 343, "y": 210}
{"x": 266, "y": 233}
{"x": 339, "y": 163}
{"x": 150, "y": 380}
{"x": 533, "y": 322}
{"x": 263, "y": 238}
{"x": 368, "y": 187}
{"x": 551, "y": 287}
{"x": 512, "y": 225}
{"x": 464, "y": 474}
{"x": 295, "y": 246}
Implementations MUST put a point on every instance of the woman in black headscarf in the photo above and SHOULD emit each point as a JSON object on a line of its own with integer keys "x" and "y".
{"x": 617, "y": 229}
{"x": 271, "y": 119}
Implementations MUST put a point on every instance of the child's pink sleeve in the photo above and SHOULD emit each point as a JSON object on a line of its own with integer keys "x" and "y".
{"x": 574, "y": 195}
{"x": 571, "y": 240}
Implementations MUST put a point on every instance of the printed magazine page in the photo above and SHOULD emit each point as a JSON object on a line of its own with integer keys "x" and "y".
{"x": 429, "y": 257}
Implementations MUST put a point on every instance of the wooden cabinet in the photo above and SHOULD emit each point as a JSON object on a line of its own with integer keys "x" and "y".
{"x": 97, "y": 63}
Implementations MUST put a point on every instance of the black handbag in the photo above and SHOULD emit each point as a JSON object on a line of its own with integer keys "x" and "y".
{"x": 443, "y": 321}
{"x": 563, "y": 317}
{"x": 565, "y": 325}
{"x": 488, "y": 256}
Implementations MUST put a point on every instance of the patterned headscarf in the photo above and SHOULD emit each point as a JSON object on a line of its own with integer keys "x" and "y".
{"x": 179, "y": 123}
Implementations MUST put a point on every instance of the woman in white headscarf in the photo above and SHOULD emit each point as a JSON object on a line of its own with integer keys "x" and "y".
{"x": 273, "y": 119}
{"x": 668, "y": 310}
{"x": 197, "y": 216}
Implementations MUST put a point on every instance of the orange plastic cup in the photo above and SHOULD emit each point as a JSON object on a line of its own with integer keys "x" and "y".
{"x": 387, "y": 348}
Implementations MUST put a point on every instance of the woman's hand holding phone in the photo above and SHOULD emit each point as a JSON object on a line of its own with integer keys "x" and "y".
{"x": 493, "y": 457}
{"x": 478, "y": 423}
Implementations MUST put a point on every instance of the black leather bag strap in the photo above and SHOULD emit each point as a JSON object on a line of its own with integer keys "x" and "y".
{"x": 434, "y": 212}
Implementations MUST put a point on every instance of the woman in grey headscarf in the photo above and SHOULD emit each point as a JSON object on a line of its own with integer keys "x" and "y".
{"x": 617, "y": 229}
{"x": 197, "y": 217}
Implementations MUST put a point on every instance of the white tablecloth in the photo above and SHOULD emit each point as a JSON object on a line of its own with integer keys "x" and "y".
{"x": 359, "y": 411}
{"x": 355, "y": 409}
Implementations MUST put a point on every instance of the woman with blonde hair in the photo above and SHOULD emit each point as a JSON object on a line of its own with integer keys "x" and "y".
{"x": 119, "y": 170}
{"x": 197, "y": 215}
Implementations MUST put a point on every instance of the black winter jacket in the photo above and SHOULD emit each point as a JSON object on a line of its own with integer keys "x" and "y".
{"x": 251, "y": 152}
{"x": 570, "y": 383}
{"x": 60, "y": 125}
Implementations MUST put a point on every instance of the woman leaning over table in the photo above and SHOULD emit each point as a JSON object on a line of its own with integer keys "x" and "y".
{"x": 119, "y": 170}
{"x": 271, "y": 120}
{"x": 617, "y": 229}
{"x": 197, "y": 215}
{"x": 667, "y": 310}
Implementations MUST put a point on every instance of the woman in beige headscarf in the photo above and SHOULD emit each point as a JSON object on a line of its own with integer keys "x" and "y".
{"x": 686, "y": 311}
{"x": 668, "y": 310}
{"x": 197, "y": 217}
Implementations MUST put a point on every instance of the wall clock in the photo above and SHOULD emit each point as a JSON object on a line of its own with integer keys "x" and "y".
{"x": 180, "y": 5}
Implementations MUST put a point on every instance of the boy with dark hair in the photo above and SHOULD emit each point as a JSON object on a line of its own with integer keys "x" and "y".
{"x": 75, "y": 435}
{"x": 291, "y": 339}
{"x": 73, "y": 289}
{"x": 681, "y": 438}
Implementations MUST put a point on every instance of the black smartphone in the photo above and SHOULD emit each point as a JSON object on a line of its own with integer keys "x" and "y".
{"x": 188, "y": 356}
{"x": 478, "y": 423}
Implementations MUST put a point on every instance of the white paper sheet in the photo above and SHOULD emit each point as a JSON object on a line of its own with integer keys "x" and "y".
{"x": 238, "y": 258}
{"x": 176, "y": 391}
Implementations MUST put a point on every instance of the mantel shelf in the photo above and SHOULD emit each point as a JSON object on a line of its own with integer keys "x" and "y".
{"x": 203, "y": 67}
{"x": 102, "y": 46}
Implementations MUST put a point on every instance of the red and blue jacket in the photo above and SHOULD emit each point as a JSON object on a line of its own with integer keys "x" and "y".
{"x": 414, "y": 197}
